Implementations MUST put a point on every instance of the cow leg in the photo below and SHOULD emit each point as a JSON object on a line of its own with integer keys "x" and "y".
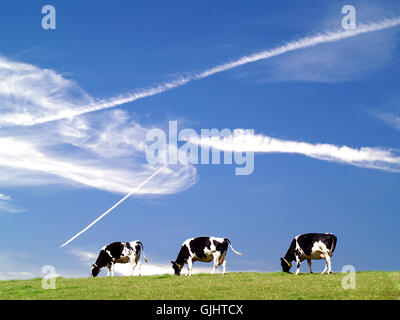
{"x": 328, "y": 262}
{"x": 218, "y": 258}
{"x": 190, "y": 266}
{"x": 133, "y": 265}
{"x": 298, "y": 269}
{"x": 309, "y": 264}
{"x": 298, "y": 261}
{"x": 330, "y": 266}
{"x": 139, "y": 265}
{"x": 110, "y": 271}
{"x": 216, "y": 261}
{"x": 224, "y": 267}
{"x": 134, "y": 262}
{"x": 326, "y": 267}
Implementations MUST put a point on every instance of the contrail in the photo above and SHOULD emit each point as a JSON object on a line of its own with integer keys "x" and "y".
{"x": 242, "y": 141}
{"x": 301, "y": 44}
{"x": 114, "y": 206}
{"x": 291, "y": 46}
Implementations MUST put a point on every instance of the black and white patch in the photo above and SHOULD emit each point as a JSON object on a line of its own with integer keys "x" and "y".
{"x": 118, "y": 252}
{"x": 310, "y": 246}
{"x": 204, "y": 249}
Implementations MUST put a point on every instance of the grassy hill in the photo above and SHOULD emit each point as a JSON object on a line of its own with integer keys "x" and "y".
{"x": 243, "y": 285}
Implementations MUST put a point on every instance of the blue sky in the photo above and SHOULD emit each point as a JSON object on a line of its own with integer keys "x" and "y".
{"x": 57, "y": 176}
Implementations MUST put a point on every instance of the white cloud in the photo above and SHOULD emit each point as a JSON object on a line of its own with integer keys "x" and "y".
{"x": 7, "y": 205}
{"x": 83, "y": 255}
{"x": 306, "y": 42}
{"x": 354, "y": 59}
{"x": 391, "y": 119}
{"x": 92, "y": 172}
{"x": 104, "y": 150}
{"x": 18, "y": 266}
{"x": 88, "y": 258}
{"x": 8, "y": 275}
{"x": 4, "y": 197}
{"x": 29, "y": 93}
{"x": 159, "y": 269}
{"x": 366, "y": 157}
{"x": 58, "y": 98}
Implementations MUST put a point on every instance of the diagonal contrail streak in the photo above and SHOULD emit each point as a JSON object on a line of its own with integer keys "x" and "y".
{"x": 301, "y": 44}
{"x": 266, "y": 54}
{"x": 114, "y": 206}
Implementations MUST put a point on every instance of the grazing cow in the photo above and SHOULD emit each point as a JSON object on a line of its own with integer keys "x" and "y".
{"x": 310, "y": 246}
{"x": 119, "y": 252}
{"x": 204, "y": 249}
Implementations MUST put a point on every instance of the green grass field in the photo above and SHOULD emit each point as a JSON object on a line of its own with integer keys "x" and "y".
{"x": 244, "y": 285}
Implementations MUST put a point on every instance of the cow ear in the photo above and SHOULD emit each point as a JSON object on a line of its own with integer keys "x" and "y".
{"x": 172, "y": 262}
{"x": 281, "y": 259}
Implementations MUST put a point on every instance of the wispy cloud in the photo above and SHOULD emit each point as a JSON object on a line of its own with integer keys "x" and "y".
{"x": 4, "y": 197}
{"x": 391, "y": 119}
{"x": 83, "y": 255}
{"x": 88, "y": 258}
{"x": 50, "y": 101}
{"x": 366, "y": 157}
{"x": 158, "y": 269}
{"x": 95, "y": 172}
{"x": 29, "y": 94}
{"x": 103, "y": 150}
{"x": 306, "y": 42}
{"x": 331, "y": 63}
{"x": 18, "y": 266}
{"x": 107, "y": 150}
{"x": 354, "y": 59}
{"x": 7, "y": 205}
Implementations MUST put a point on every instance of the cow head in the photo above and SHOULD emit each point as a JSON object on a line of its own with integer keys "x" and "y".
{"x": 95, "y": 270}
{"x": 286, "y": 265}
{"x": 177, "y": 268}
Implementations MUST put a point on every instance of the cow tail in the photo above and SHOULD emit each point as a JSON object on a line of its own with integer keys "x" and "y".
{"x": 229, "y": 242}
{"x": 333, "y": 243}
{"x": 144, "y": 256}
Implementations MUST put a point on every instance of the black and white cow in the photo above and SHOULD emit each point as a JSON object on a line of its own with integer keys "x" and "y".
{"x": 119, "y": 252}
{"x": 310, "y": 246}
{"x": 204, "y": 249}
